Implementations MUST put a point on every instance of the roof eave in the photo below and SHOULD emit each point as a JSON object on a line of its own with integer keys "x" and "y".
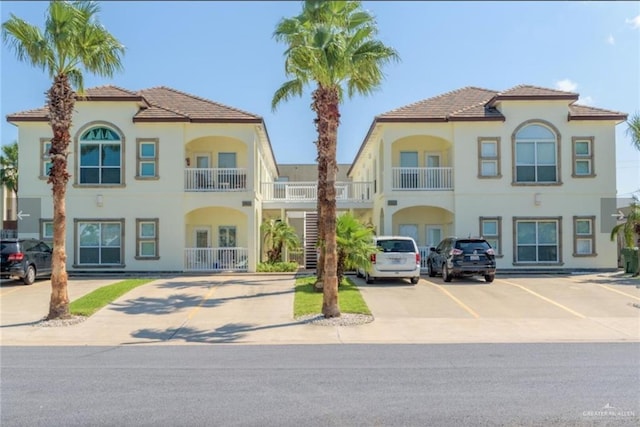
{"x": 615, "y": 117}
{"x": 411, "y": 119}
{"x": 13, "y": 119}
{"x": 569, "y": 97}
{"x": 477, "y": 119}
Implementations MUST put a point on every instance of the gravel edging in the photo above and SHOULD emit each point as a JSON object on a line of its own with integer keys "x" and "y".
{"x": 345, "y": 319}
{"x": 71, "y": 320}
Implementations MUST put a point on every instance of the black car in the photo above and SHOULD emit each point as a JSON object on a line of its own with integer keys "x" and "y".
{"x": 25, "y": 259}
{"x": 455, "y": 257}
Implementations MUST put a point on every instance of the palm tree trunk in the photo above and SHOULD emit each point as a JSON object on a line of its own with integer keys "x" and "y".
{"x": 325, "y": 104}
{"x": 321, "y": 195}
{"x": 61, "y": 100}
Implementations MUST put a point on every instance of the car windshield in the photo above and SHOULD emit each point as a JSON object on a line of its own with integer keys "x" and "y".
{"x": 396, "y": 245}
{"x": 471, "y": 246}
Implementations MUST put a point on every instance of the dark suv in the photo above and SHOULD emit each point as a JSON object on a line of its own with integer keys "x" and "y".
{"x": 24, "y": 259}
{"x": 462, "y": 257}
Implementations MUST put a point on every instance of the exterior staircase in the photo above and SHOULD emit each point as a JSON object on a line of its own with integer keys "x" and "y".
{"x": 310, "y": 240}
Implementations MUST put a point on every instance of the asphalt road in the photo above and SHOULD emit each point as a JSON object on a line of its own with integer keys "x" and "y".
{"x": 322, "y": 385}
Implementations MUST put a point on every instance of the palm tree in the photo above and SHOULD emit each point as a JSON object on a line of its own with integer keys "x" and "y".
{"x": 278, "y": 235}
{"x": 72, "y": 41}
{"x": 634, "y": 130}
{"x": 330, "y": 43}
{"x": 629, "y": 228}
{"x": 355, "y": 244}
{"x": 9, "y": 167}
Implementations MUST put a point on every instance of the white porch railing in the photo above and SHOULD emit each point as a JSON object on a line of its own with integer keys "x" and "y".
{"x": 215, "y": 179}
{"x": 215, "y": 259}
{"x": 422, "y": 178}
{"x": 308, "y": 191}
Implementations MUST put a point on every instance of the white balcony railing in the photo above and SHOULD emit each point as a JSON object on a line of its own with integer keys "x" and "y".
{"x": 215, "y": 179}
{"x": 308, "y": 191}
{"x": 215, "y": 259}
{"x": 422, "y": 178}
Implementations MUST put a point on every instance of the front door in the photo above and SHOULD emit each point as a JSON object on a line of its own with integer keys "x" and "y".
{"x": 434, "y": 235}
{"x": 202, "y": 238}
{"x": 409, "y": 230}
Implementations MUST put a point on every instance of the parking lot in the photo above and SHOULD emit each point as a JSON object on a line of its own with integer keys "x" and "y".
{"x": 258, "y": 309}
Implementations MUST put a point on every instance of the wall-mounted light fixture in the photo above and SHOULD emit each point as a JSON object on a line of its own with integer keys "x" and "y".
{"x": 537, "y": 200}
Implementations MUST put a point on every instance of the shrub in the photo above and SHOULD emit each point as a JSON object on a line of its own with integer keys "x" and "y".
{"x": 277, "y": 267}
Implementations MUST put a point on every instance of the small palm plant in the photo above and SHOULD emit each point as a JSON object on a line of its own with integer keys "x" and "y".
{"x": 629, "y": 229}
{"x": 355, "y": 244}
{"x": 278, "y": 235}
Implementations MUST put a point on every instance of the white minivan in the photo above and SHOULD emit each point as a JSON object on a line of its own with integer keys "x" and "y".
{"x": 397, "y": 256}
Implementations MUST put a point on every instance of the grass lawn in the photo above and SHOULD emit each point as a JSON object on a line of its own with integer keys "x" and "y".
{"x": 94, "y": 301}
{"x": 308, "y": 301}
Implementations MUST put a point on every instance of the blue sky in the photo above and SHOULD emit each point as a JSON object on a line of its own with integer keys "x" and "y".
{"x": 224, "y": 51}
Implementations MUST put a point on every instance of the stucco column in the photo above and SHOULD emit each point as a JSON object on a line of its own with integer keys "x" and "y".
{"x": 388, "y": 220}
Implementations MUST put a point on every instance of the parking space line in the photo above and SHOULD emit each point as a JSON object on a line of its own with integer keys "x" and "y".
{"x": 542, "y": 297}
{"x": 456, "y": 300}
{"x": 618, "y": 292}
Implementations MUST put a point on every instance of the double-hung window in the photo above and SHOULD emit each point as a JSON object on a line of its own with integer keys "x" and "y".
{"x": 147, "y": 158}
{"x": 489, "y": 158}
{"x": 100, "y": 157}
{"x": 583, "y": 157}
{"x": 536, "y": 155}
{"x": 147, "y": 239}
{"x": 537, "y": 240}
{"x": 490, "y": 230}
{"x": 583, "y": 236}
{"x": 45, "y": 158}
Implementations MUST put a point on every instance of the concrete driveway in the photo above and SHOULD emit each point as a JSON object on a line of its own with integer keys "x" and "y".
{"x": 253, "y": 309}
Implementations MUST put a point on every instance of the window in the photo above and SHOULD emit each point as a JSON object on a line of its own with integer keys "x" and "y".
{"x": 147, "y": 239}
{"x": 100, "y": 157}
{"x": 491, "y": 231}
{"x": 583, "y": 236}
{"x": 99, "y": 242}
{"x": 46, "y": 229}
{"x": 582, "y": 157}
{"x": 45, "y": 162}
{"x": 147, "y": 158}
{"x": 227, "y": 236}
{"x": 489, "y": 158}
{"x": 537, "y": 240}
{"x": 536, "y": 151}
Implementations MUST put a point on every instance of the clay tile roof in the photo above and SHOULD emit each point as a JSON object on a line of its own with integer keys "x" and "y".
{"x": 109, "y": 93}
{"x": 35, "y": 115}
{"x": 529, "y": 93}
{"x": 584, "y": 112}
{"x": 468, "y": 102}
{"x": 168, "y": 103}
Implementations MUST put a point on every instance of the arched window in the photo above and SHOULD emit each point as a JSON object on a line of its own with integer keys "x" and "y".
{"x": 536, "y": 160}
{"x": 100, "y": 156}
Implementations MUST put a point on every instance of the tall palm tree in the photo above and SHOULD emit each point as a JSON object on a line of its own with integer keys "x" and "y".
{"x": 73, "y": 41}
{"x": 634, "y": 130}
{"x": 332, "y": 44}
{"x": 9, "y": 167}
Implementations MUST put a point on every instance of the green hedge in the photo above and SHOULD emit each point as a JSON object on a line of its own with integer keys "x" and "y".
{"x": 278, "y": 267}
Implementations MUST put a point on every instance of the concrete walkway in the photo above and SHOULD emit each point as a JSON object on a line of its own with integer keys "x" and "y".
{"x": 257, "y": 309}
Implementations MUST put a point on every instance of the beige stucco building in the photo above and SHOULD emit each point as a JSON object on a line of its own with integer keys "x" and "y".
{"x": 167, "y": 181}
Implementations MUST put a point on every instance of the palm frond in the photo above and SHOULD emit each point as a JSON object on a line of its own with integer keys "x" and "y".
{"x": 288, "y": 90}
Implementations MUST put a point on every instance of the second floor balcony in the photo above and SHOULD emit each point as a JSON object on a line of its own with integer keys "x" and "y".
{"x": 421, "y": 179}
{"x": 215, "y": 179}
{"x": 307, "y": 191}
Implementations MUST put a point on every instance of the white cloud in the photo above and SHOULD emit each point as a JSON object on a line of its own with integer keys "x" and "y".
{"x": 585, "y": 100}
{"x": 635, "y": 22}
{"x": 566, "y": 85}
{"x": 611, "y": 40}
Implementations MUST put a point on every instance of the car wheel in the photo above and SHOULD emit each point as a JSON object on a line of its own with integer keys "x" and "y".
{"x": 30, "y": 275}
{"x": 489, "y": 277}
{"x": 446, "y": 274}
{"x": 358, "y": 274}
{"x": 368, "y": 278}
{"x": 414, "y": 280}
{"x": 432, "y": 272}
